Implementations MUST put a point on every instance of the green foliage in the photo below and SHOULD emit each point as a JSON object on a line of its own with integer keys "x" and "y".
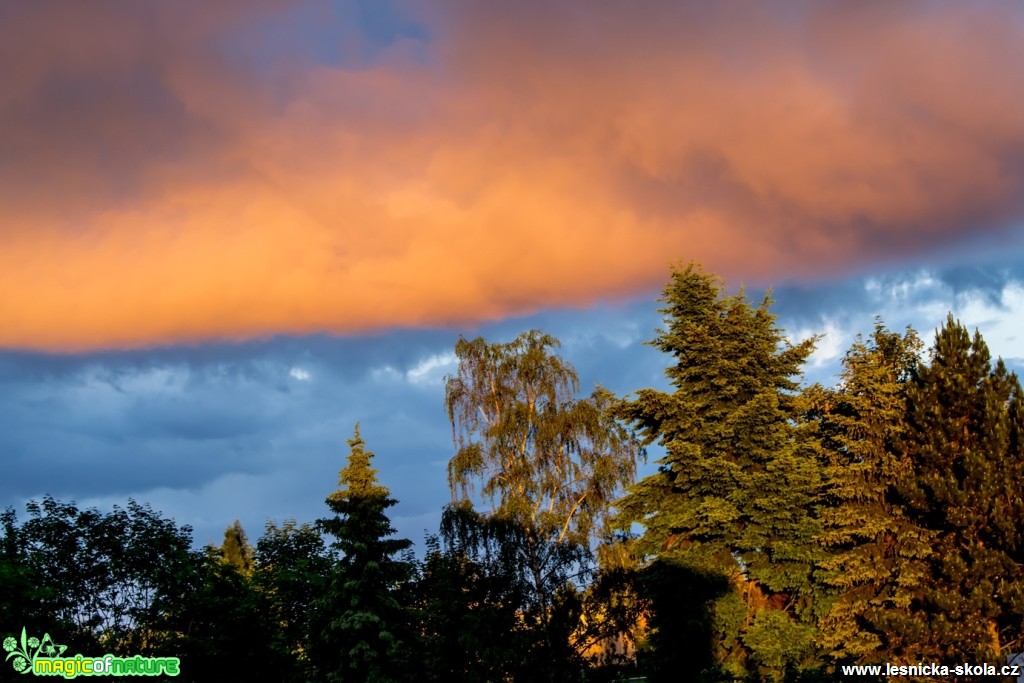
{"x": 733, "y": 497}
{"x": 876, "y": 559}
{"x": 127, "y": 582}
{"x": 527, "y": 614}
{"x": 23, "y": 594}
{"x": 922, "y": 511}
{"x": 965, "y": 488}
{"x": 779, "y": 645}
{"x": 223, "y": 615}
{"x": 292, "y": 569}
{"x": 365, "y": 631}
{"x": 686, "y": 606}
{"x": 549, "y": 464}
{"x": 547, "y": 461}
{"x": 236, "y": 551}
{"x": 108, "y": 578}
{"x": 783, "y": 534}
{"x": 611, "y": 622}
{"x": 468, "y": 615}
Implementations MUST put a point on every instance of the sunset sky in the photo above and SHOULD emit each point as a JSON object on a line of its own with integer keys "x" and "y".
{"x": 230, "y": 230}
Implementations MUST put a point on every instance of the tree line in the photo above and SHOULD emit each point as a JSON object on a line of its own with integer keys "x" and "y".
{"x": 788, "y": 529}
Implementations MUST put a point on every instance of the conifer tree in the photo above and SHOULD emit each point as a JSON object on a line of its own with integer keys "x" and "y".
{"x": 236, "y": 551}
{"x": 966, "y": 483}
{"x": 730, "y": 504}
{"x": 875, "y": 563}
{"x": 364, "y": 633}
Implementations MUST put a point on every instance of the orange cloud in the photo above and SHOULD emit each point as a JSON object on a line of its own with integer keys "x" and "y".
{"x": 156, "y": 187}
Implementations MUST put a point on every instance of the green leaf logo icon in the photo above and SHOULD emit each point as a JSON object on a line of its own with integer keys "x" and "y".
{"x": 22, "y": 654}
{"x": 50, "y": 649}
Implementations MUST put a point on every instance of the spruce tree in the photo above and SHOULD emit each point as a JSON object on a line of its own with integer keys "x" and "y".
{"x": 236, "y": 551}
{"x": 875, "y": 562}
{"x": 365, "y": 634}
{"x": 729, "y": 509}
{"x": 967, "y": 477}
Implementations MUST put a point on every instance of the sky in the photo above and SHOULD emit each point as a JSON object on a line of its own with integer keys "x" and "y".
{"x": 229, "y": 231}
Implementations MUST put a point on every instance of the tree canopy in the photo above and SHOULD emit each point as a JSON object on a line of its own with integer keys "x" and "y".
{"x": 540, "y": 456}
{"x": 966, "y": 475}
{"x": 788, "y": 532}
{"x": 731, "y": 502}
{"x": 876, "y": 556}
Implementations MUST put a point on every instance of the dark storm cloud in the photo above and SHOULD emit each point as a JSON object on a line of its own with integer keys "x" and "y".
{"x": 983, "y": 291}
{"x": 257, "y": 430}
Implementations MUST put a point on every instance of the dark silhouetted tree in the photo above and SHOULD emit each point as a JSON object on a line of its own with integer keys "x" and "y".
{"x": 292, "y": 569}
{"x": 109, "y": 578}
{"x": 469, "y": 618}
{"x": 24, "y": 596}
{"x": 223, "y": 621}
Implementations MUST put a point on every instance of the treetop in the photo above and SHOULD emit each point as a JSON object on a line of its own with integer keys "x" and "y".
{"x": 358, "y": 479}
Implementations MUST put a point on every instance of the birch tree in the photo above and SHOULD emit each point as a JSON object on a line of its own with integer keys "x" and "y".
{"x": 548, "y": 465}
{"x": 527, "y": 447}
